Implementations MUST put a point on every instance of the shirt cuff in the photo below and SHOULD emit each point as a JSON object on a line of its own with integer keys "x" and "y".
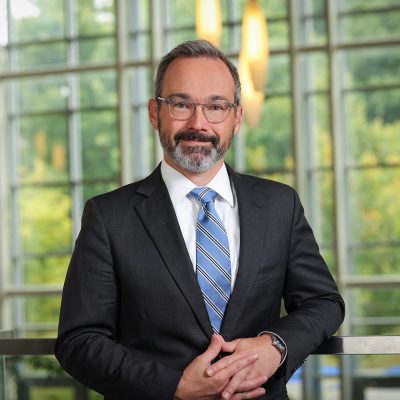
{"x": 284, "y": 354}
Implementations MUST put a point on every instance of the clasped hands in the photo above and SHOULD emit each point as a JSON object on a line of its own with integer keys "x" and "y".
{"x": 239, "y": 375}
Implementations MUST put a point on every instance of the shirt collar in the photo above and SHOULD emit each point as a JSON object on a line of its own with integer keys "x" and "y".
{"x": 179, "y": 186}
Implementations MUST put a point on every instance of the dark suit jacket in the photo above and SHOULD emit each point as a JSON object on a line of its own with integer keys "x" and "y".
{"x": 133, "y": 316}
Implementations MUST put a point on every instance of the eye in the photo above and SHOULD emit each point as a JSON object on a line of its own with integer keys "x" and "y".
{"x": 217, "y": 106}
{"x": 181, "y": 105}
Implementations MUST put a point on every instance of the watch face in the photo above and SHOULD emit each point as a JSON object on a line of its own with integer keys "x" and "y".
{"x": 278, "y": 344}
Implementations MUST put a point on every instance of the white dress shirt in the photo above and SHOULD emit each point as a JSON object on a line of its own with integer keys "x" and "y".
{"x": 187, "y": 208}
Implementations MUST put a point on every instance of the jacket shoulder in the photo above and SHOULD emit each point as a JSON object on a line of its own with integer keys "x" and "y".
{"x": 122, "y": 192}
{"x": 130, "y": 193}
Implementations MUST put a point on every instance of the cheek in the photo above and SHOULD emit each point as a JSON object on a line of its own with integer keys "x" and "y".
{"x": 170, "y": 127}
{"x": 228, "y": 132}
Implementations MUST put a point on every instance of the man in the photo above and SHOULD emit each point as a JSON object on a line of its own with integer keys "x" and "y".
{"x": 174, "y": 288}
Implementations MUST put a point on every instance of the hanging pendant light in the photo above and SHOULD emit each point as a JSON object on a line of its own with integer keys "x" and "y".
{"x": 255, "y": 44}
{"x": 252, "y": 100}
{"x": 209, "y": 21}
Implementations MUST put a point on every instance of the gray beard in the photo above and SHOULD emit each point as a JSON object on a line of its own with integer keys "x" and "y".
{"x": 194, "y": 158}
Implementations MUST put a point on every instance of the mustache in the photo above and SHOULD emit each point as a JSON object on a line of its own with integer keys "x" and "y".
{"x": 200, "y": 137}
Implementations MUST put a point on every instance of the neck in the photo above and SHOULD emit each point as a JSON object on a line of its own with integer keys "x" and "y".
{"x": 198, "y": 178}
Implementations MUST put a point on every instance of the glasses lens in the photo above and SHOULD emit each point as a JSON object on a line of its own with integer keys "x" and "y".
{"x": 216, "y": 111}
{"x": 181, "y": 109}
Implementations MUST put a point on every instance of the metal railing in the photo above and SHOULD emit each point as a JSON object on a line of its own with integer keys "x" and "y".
{"x": 340, "y": 345}
{"x": 351, "y": 387}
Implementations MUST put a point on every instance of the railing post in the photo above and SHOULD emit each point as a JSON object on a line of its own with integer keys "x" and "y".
{"x": 311, "y": 383}
{"x": 2, "y": 378}
{"x": 3, "y": 334}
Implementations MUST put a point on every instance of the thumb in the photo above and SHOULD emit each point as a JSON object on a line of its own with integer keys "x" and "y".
{"x": 229, "y": 347}
{"x": 213, "y": 349}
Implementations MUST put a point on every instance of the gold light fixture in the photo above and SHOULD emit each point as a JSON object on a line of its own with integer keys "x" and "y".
{"x": 252, "y": 100}
{"x": 209, "y": 21}
{"x": 255, "y": 44}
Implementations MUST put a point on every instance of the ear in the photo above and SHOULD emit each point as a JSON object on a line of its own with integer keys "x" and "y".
{"x": 152, "y": 107}
{"x": 238, "y": 119}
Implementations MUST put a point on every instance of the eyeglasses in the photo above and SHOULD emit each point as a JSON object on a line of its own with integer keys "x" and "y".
{"x": 182, "y": 110}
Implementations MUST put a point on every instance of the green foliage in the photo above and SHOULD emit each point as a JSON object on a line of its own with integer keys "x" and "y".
{"x": 45, "y": 20}
{"x": 100, "y": 144}
{"x": 95, "y": 17}
{"x": 367, "y": 5}
{"x": 374, "y": 146}
{"x": 45, "y": 220}
{"x": 268, "y": 146}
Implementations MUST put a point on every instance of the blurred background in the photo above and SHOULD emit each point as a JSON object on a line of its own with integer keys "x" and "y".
{"x": 75, "y": 77}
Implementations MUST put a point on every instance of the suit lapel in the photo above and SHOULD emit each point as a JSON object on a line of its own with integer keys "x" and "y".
{"x": 158, "y": 216}
{"x": 252, "y": 231}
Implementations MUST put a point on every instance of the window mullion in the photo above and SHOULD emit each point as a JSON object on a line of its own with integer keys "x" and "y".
{"x": 74, "y": 128}
{"x": 298, "y": 133}
{"x": 160, "y": 43}
{"x": 5, "y": 258}
{"x": 124, "y": 110}
{"x": 16, "y": 277}
{"x": 339, "y": 178}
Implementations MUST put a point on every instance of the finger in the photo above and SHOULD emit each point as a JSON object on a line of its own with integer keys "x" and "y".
{"x": 249, "y": 383}
{"x": 213, "y": 349}
{"x": 234, "y": 362}
{"x": 249, "y": 395}
{"x": 239, "y": 369}
{"x": 229, "y": 347}
{"x": 243, "y": 382}
{"x": 233, "y": 385}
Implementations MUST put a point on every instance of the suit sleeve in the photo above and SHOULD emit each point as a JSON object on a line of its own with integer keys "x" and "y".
{"x": 86, "y": 346}
{"x": 314, "y": 306}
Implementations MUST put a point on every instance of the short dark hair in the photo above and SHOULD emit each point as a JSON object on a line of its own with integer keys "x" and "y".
{"x": 193, "y": 49}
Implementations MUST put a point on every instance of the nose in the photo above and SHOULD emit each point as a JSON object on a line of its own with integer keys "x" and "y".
{"x": 198, "y": 121}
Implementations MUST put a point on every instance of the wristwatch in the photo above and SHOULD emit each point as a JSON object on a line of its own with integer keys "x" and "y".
{"x": 278, "y": 343}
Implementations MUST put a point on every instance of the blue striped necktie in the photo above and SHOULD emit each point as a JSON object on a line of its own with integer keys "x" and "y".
{"x": 213, "y": 265}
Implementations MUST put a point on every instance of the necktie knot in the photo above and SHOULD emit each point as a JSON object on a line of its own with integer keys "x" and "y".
{"x": 204, "y": 194}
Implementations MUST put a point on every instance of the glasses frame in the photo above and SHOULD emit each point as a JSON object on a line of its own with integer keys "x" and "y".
{"x": 168, "y": 100}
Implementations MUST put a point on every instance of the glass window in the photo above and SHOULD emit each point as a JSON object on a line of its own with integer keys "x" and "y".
{"x": 75, "y": 77}
{"x": 47, "y": 93}
{"x": 96, "y": 50}
{"x": 36, "y": 21}
{"x": 371, "y": 67}
{"x": 139, "y": 30}
{"x": 374, "y": 217}
{"x": 278, "y": 78}
{"x": 62, "y": 140}
{"x": 43, "y": 148}
{"x": 269, "y": 146}
{"x": 100, "y": 145}
{"x": 369, "y": 20}
{"x": 37, "y": 56}
{"x": 313, "y": 22}
{"x": 95, "y": 17}
{"x": 45, "y": 220}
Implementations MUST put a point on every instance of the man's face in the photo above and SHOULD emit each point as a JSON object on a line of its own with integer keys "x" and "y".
{"x": 195, "y": 144}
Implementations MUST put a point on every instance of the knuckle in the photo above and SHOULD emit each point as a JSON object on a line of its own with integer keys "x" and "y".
{"x": 219, "y": 381}
{"x": 241, "y": 364}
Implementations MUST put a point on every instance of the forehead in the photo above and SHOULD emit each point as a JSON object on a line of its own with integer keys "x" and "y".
{"x": 199, "y": 78}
